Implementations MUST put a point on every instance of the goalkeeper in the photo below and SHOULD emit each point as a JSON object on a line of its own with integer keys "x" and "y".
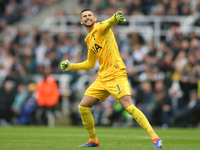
{"x": 112, "y": 78}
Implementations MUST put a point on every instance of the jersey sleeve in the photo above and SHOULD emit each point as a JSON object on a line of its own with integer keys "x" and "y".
{"x": 107, "y": 24}
{"x": 86, "y": 65}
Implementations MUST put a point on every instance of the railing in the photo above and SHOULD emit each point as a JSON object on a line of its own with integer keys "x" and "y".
{"x": 150, "y": 27}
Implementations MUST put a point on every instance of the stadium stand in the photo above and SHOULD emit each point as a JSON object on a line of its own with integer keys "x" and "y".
{"x": 160, "y": 45}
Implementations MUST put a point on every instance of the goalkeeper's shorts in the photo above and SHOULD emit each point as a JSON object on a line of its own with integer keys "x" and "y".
{"x": 118, "y": 87}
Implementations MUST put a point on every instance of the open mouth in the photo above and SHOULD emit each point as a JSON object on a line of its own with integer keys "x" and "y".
{"x": 88, "y": 21}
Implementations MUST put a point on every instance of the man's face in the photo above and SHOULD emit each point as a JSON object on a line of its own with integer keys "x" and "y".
{"x": 88, "y": 19}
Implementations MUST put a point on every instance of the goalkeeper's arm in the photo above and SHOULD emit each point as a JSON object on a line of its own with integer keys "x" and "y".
{"x": 117, "y": 17}
{"x": 86, "y": 65}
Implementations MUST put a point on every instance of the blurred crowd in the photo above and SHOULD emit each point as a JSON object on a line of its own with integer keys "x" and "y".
{"x": 142, "y": 7}
{"x": 12, "y": 11}
{"x": 163, "y": 79}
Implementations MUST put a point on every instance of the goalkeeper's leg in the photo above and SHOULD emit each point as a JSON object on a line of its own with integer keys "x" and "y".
{"x": 87, "y": 119}
{"x": 141, "y": 119}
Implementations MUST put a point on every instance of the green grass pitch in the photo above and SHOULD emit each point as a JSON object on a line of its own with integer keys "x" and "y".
{"x": 69, "y": 138}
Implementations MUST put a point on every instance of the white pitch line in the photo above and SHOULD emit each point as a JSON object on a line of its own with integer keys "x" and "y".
{"x": 99, "y": 135}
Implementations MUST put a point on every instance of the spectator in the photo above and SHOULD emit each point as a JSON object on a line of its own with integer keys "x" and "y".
{"x": 47, "y": 96}
{"x": 7, "y": 94}
{"x": 190, "y": 112}
{"x": 144, "y": 98}
{"x": 20, "y": 98}
{"x": 47, "y": 90}
{"x": 177, "y": 96}
{"x": 29, "y": 107}
{"x": 161, "y": 103}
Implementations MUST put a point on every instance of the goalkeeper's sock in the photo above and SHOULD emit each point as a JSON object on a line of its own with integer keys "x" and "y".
{"x": 93, "y": 138}
{"x": 88, "y": 122}
{"x": 142, "y": 120}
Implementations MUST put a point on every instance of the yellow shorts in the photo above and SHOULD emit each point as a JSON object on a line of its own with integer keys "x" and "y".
{"x": 118, "y": 87}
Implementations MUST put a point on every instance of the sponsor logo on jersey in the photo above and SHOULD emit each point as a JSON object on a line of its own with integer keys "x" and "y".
{"x": 96, "y": 48}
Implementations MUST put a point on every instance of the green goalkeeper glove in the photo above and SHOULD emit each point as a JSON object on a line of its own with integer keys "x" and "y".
{"x": 65, "y": 65}
{"x": 119, "y": 16}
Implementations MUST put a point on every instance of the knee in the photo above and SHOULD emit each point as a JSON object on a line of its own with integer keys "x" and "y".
{"x": 84, "y": 110}
{"x": 125, "y": 101}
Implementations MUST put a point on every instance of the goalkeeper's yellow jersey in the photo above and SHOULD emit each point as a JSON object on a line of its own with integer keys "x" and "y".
{"x": 102, "y": 46}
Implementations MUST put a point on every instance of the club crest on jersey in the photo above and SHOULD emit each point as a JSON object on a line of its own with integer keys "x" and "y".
{"x": 96, "y": 48}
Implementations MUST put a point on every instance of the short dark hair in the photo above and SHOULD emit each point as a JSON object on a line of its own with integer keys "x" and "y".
{"x": 86, "y": 9}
